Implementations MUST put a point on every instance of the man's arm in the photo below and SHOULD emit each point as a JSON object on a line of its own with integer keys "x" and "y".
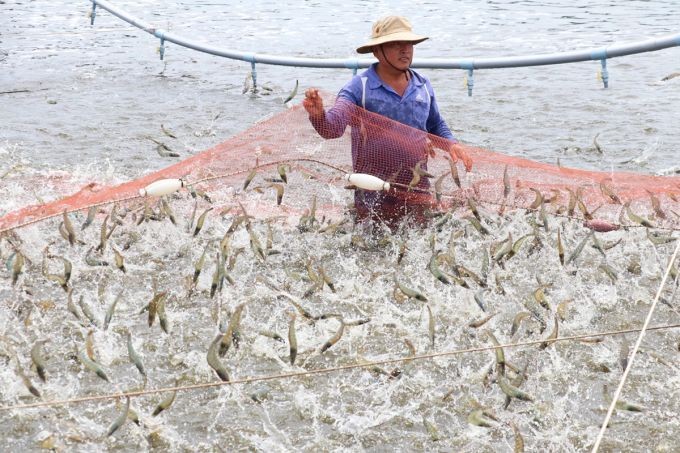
{"x": 330, "y": 124}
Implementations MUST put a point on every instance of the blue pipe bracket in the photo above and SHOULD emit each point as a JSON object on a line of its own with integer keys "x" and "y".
{"x": 353, "y": 65}
{"x": 469, "y": 65}
{"x": 604, "y": 73}
{"x": 93, "y": 13}
{"x": 470, "y": 81}
{"x": 253, "y": 72}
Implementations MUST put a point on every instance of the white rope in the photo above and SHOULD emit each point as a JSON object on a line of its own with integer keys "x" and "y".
{"x": 635, "y": 349}
{"x": 295, "y": 374}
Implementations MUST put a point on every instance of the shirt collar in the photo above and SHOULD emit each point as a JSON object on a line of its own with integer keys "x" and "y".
{"x": 374, "y": 80}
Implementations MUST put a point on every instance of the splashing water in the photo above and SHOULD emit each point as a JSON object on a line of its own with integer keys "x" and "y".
{"x": 369, "y": 407}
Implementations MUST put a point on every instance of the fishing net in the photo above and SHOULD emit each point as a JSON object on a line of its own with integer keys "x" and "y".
{"x": 420, "y": 167}
{"x": 293, "y": 291}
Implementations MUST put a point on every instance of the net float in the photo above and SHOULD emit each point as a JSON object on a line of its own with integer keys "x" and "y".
{"x": 367, "y": 182}
{"x": 162, "y": 187}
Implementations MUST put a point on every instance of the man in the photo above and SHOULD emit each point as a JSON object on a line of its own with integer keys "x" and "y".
{"x": 397, "y": 150}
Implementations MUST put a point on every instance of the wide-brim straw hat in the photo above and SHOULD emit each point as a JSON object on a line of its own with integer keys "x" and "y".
{"x": 390, "y": 29}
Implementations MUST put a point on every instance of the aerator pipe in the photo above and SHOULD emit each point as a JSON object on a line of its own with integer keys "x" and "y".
{"x": 616, "y": 50}
{"x": 227, "y": 53}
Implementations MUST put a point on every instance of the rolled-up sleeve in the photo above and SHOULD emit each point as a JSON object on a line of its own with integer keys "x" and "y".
{"x": 332, "y": 123}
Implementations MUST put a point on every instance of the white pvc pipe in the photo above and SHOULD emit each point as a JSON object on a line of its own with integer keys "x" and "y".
{"x": 599, "y": 53}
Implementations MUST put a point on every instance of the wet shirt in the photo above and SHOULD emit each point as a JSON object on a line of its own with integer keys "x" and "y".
{"x": 416, "y": 108}
{"x": 387, "y": 149}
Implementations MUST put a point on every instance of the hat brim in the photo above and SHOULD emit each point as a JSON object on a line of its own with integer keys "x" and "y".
{"x": 399, "y": 36}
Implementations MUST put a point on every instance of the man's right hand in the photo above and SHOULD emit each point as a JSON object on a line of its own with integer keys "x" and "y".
{"x": 313, "y": 103}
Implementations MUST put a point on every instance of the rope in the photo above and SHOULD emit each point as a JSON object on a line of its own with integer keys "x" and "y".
{"x": 283, "y": 161}
{"x": 635, "y": 349}
{"x": 134, "y": 197}
{"x": 47, "y": 217}
{"x": 248, "y": 380}
{"x": 566, "y": 216}
{"x": 268, "y": 164}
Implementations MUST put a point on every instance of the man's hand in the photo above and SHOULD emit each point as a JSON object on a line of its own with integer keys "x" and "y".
{"x": 313, "y": 103}
{"x": 456, "y": 152}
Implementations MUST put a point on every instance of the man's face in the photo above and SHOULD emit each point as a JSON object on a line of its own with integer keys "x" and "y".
{"x": 399, "y": 53}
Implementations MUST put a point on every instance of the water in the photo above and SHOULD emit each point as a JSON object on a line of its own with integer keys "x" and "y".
{"x": 97, "y": 93}
{"x": 112, "y": 91}
{"x": 356, "y": 409}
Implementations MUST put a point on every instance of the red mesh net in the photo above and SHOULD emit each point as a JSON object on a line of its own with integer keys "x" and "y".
{"x": 424, "y": 179}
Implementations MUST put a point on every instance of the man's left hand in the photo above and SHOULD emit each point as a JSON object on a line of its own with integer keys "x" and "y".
{"x": 456, "y": 152}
